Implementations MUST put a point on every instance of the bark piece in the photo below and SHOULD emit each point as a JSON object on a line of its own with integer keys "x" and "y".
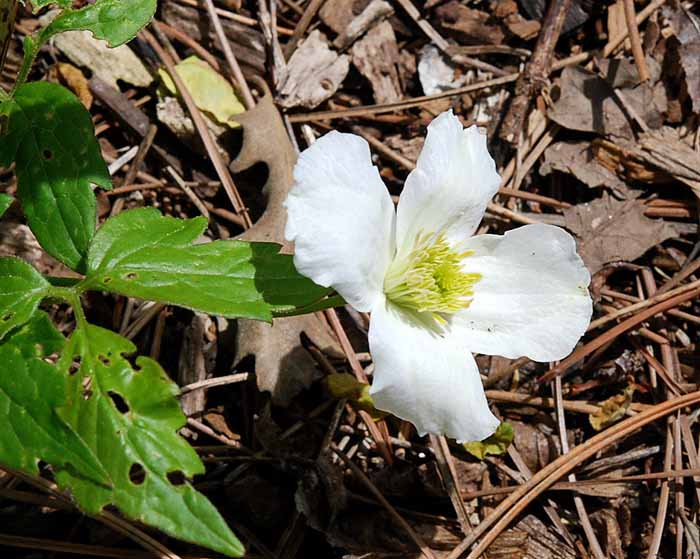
{"x": 610, "y": 230}
{"x": 337, "y": 14}
{"x": 376, "y": 56}
{"x": 313, "y": 73}
{"x": 196, "y": 361}
{"x": 375, "y": 11}
{"x": 246, "y": 43}
{"x": 282, "y": 366}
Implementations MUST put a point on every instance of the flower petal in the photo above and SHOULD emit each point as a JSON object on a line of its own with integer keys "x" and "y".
{"x": 532, "y": 298}
{"x": 341, "y": 219}
{"x": 453, "y": 181}
{"x": 426, "y": 379}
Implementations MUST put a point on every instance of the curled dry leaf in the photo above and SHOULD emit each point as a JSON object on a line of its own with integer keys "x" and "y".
{"x": 283, "y": 366}
{"x": 610, "y": 230}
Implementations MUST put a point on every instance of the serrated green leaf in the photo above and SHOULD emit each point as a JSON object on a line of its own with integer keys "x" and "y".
{"x": 211, "y": 92}
{"x": 115, "y": 21}
{"x": 57, "y": 158}
{"x": 30, "y": 391}
{"x": 21, "y": 290}
{"x": 5, "y": 202}
{"x": 137, "y": 442}
{"x": 496, "y": 444}
{"x": 142, "y": 254}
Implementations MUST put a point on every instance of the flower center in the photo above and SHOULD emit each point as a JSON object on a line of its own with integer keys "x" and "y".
{"x": 430, "y": 279}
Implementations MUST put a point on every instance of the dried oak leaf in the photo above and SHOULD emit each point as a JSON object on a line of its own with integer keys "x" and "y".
{"x": 587, "y": 102}
{"x": 283, "y": 367}
{"x": 686, "y": 29}
{"x": 610, "y": 230}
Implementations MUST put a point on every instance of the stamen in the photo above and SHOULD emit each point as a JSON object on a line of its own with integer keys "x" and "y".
{"x": 430, "y": 279}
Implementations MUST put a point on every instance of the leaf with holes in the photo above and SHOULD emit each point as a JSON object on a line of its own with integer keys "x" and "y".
{"x": 142, "y": 254}
{"x": 129, "y": 416}
{"x": 115, "y": 21}
{"x": 30, "y": 391}
{"x": 21, "y": 290}
{"x": 5, "y": 202}
{"x": 57, "y": 158}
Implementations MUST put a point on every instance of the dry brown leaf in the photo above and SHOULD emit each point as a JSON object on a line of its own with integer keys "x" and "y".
{"x": 587, "y": 102}
{"x": 530, "y": 539}
{"x": 283, "y": 367}
{"x": 578, "y": 159}
{"x": 76, "y": 82}
{"x": 468, "y": 26}
{"x": 610, "y": 230}
{"x": 108, "y": 64}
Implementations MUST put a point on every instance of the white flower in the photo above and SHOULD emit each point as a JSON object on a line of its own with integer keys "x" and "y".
{"x": 436, "y": 293}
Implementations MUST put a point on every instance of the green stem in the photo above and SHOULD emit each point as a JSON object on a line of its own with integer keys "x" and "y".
{"x": 31, "y": 49}
{"x": 72, "y": 297}
{"x": 328, "y": 303}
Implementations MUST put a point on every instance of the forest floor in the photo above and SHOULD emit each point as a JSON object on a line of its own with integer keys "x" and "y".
{"x": 594, "y": 122}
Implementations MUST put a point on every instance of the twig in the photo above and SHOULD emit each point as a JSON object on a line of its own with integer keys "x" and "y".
{"x": 513, "y": 506}
{"x": 302, "y": 26}
{"x": 212, "y": 382}
{"x": 200, "y": 124}
{"x": 378, "y": 495}
{"x": 636, "y": 42}
{"x": 611, "y": 334}
{"x": 443, "y": 457}
{"x": 143, "y": 150}
{"x": 593, "y": 542}
{"x": 235, "y": 69}
{"x": 536, "y": 72}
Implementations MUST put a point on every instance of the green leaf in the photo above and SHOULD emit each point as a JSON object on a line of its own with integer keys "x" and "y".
{"x": 496, "y": 444}
{"x": 129, "y": 416}
{"x": 38, "y": 4}
{"x": 5, "y": 202}
{"x": 30, "y": 391}
{"x": 211, "y": 92}
{"x": 57, "y": 158}
{"x": 115, "y": 21}
{"x": 21, "y": 290}
{"x": 142, "y": 254}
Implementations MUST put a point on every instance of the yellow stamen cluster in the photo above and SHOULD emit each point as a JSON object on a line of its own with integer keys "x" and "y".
{"x": 430, "y": 278}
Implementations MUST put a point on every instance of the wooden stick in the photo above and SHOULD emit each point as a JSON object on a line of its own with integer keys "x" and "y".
{"x": 636, "y": 42}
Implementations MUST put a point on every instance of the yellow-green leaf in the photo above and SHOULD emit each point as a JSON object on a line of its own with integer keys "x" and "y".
{"x": 212, "y": 93}
{"x": 612, "y": 410}
{"x": 496, "y": 444}
{"x": 346, "y": 386}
